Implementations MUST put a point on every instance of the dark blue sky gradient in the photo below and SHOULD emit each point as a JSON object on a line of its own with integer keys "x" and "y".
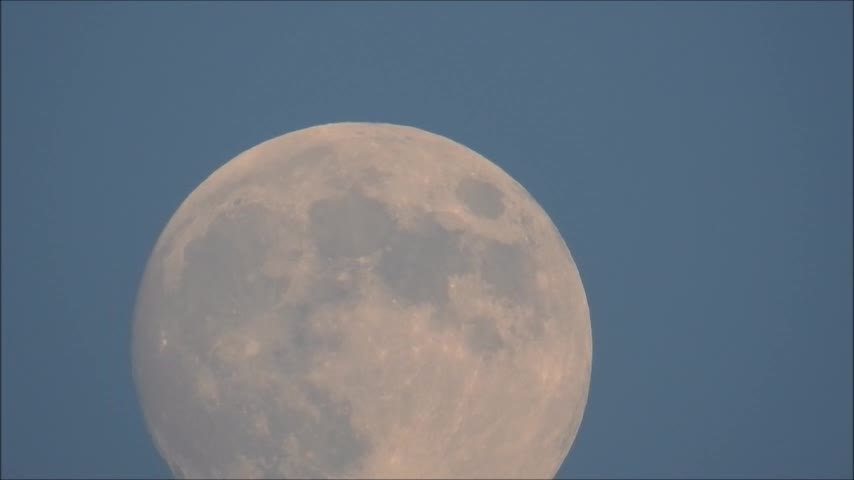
{"x": 697, "y": 158}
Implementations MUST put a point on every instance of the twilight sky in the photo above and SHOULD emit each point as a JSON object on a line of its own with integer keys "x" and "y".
{"x": 696, "y": 157}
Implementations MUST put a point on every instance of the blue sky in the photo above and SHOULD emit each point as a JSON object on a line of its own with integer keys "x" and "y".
{"x": 696, "y": 157}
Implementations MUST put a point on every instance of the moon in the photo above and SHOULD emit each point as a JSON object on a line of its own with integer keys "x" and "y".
{"x": 361, "y": 300}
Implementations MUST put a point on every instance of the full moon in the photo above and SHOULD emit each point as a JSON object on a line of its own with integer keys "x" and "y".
{"x": 361, "y": 300}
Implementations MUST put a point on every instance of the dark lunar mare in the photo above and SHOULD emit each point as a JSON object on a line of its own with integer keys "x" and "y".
{"x": 221, "y": 287}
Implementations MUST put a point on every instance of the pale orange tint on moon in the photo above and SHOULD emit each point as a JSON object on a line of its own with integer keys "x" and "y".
{"x": 362, "y": 300}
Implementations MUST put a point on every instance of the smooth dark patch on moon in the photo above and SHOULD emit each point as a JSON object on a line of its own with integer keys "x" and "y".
{"x": 336, "y": 283}
{"x": 230, "y": 253}
{"x": 482, "y": 336}
{"x": 222, "y": 280}
{"x": 300, "y": 341}
{"x": 330, "y": 290}
{"x": 416, "y": 265}
{"x": 328, "y": 439}
{"x": 308, "y": 338}
{"x": 322, "y": 442}
{"x": 349, "y": 226}
{"x": 511, "y": 276}
{"x": 481, "y": 198}
{"x": 221, "y": 287}
{"x": 507, "y": 270}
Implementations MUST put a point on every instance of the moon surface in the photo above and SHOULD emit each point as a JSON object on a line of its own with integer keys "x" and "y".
{"x": 361, "y": 300}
